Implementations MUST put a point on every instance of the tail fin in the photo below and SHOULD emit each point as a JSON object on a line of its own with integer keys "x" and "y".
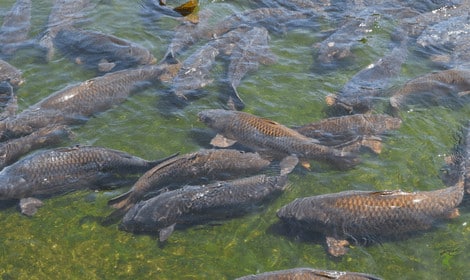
{"x": 120, "y": 201}
{"x": 114, "y": 217}
{"x": 234, "y": 101}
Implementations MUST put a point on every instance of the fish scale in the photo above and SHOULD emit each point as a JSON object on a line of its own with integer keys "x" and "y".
{"x": 61, "y": 170}
{"x": 194, "y": 167}
{"x": 364, "y": 214}
{"x": 271, "y": 137}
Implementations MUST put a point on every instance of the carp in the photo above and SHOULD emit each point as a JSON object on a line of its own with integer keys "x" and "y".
{"x": 272, "y": 138}
{"x": 340, "y": 130}
{"x": 61, "y": 170}
{"x": 370, "y": 215}
{"x": 64, "y": 14}
{"x": 192, "y": 168}
{"x": 251, "y": 50}
{"x": 12, "y": 150}
{"x": 101, "y": 52}
{"x": 10, "y": 74}
{"x": 193, "y": 204}
{"x": 15, "y": 28}
{"x": 305, "y": 273}
{"x": 76, "y": 103}
{"x": 432, "y": 88}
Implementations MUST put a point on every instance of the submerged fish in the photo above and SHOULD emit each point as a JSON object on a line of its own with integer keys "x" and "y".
{"x": 194, "y": 74}
{"x": 192, "y": 168}
{"x": 62, "y": 170}
{"x": 64, "y": 14}
{"x": 360, "y": 93}
{"x": 433, "y": 88}
{"x": 270, "y": 137}
{"x": 304, "y": 273}
{"x": 12, "y": 150}
{"x": 337, "y": 130}
{"x": 100, "y": 51}
{"x": 15, "y": 28}
{"x": 10, "y": 74}
{"x": 458, "y": 163}
{"x": 75, "y": 103}
{"x": 251, "y": 50}
{"x": 193, "y": 204}
{"x": 271, "y": 18}
{"x": 368, "y": 215}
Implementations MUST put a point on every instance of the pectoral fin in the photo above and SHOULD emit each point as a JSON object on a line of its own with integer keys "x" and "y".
{"x": 336, "y": 247}
{"x": 166, "y": 232}
{"x": 29, "y": 206}
{"x": 222, "y": 142}
{"x": 288, "y": 164}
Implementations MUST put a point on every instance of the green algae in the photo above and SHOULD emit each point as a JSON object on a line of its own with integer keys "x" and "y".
{"x": 65, "y": 239}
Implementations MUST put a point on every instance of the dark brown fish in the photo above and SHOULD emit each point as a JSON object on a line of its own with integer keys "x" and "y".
{"x": 15, "y": 27}
{"x": 101, "y": 52}
{"x": 251, "y": 50}
{"x": 75, "y": 103}
{"x": 360, "y": 94}
{"x": 458, "y": 163}
{"x": 270, "y": 137}
{"x": 62, "y": 170}
{"x": 12, "y": 150}
{"x": 363, "y": 214}
{"x": 64, "y": 14}
{"x": 433, "y": 88}
{"x": 305, "y": 273}
{"x": 192, "y": 168}
{"x": 10, "y": 74}
{"x": 193, "y": 204}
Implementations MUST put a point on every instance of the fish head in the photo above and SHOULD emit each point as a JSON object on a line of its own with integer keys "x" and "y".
{"x": 14, "y": 187}
{"x": 308, "y": 212}
{"x": 217, "y": 119}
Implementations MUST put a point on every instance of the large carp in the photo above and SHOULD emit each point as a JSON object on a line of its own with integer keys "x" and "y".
{"x": 56, "y": 171}
{"x": 75, "y": 103}
{"x": 15, "y": 28}
{"x": 10, "y": 74}
{"x": 193, "y": 204}
{"x": 270, "y": 137}
{"x": 101, "y": 52}
{"x": 305, "y": 273}
{"x": 192, "y": 168}
{"x": 433, "y": 88}
{"x": 356, "y": 215}
{"x": 251, "y": 50}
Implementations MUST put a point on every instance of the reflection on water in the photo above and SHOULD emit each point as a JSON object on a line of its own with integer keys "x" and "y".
{"x": 65, "y": 238}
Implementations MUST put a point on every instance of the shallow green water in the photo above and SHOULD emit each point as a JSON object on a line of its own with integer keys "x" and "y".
{"x": 64, "y": 240}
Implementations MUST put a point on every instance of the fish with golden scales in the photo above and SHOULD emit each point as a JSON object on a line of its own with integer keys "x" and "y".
{"x": 193, "y": 168}
{"x": 371, "y": 215}
{"x": 343, "y": 130}
{"x": 270, "y": 137}
{"x": 306, "y": 273}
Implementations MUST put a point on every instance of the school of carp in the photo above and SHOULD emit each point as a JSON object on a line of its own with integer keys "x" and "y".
{"x": 252, "y": 156}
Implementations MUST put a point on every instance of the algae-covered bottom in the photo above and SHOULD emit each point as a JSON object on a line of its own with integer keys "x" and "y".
{"x": 65, "y": 239}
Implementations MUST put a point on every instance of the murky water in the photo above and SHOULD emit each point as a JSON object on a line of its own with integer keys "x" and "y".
{"x": 65, "y": 239}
